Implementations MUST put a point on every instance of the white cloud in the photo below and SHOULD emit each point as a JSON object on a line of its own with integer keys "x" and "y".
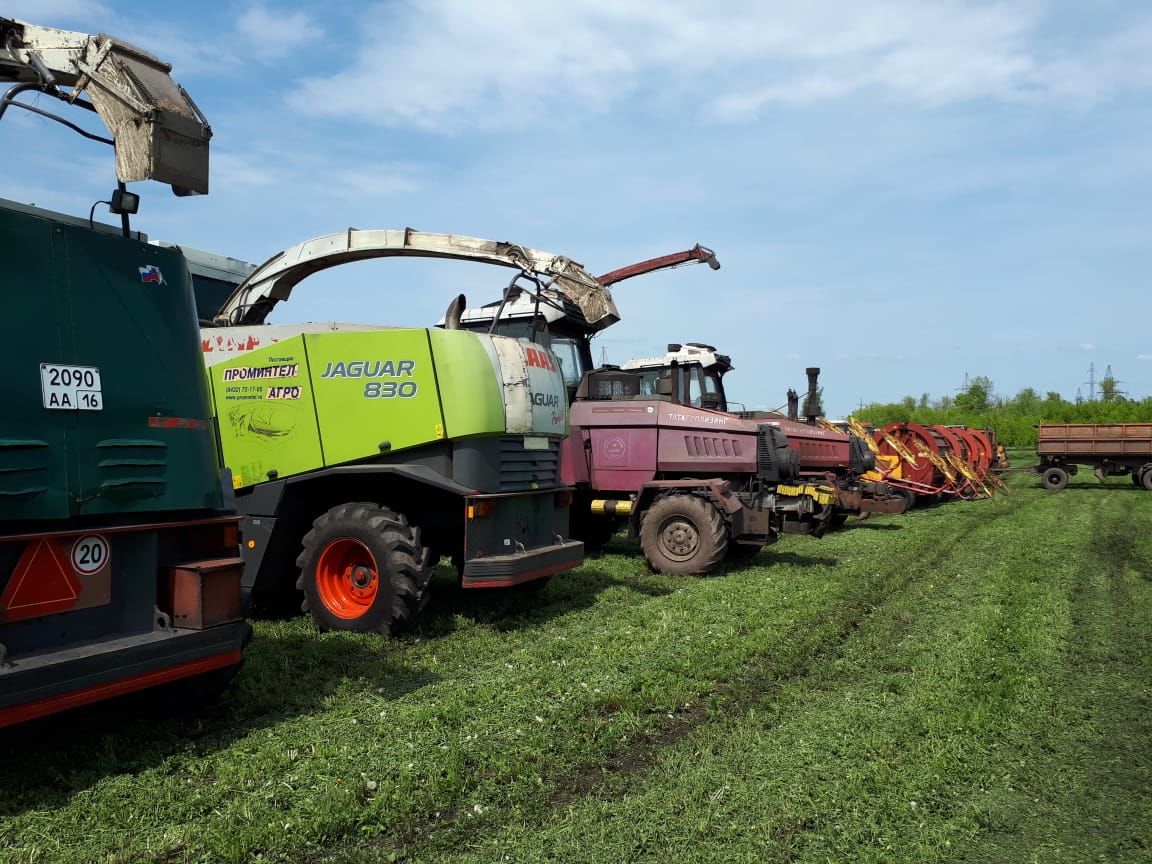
{"x": 272, "y": 35}
{"x": 1087, "y": 346}
{"x": 311, "y": 176}
{"x": 447, "y": 65}
{"x": 259, "y": 32}
{"x": 1144, "y": 356}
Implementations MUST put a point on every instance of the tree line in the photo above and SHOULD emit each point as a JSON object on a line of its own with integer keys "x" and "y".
{"x": 1014, "y": 418}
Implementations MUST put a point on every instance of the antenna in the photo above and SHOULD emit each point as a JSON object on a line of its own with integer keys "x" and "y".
{"x": 603, "y": 355}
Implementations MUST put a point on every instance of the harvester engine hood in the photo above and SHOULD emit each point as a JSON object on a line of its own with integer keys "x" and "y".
{"x": 159, "y": 132}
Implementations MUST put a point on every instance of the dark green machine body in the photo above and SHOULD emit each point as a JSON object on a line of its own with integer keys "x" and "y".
{"x": 76, "y": 296}
{"x": 109, "y": 485}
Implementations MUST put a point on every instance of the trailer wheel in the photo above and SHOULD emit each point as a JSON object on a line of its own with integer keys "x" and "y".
{"x": 1146, "y": 479}
{"x": 1137, "y": 476}
{"x": 1055, "y": 479}
{"x": 362, "y": 569}
{"x": 683, "y": 534}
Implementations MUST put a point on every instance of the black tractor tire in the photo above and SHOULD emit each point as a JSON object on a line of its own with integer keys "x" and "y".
{"x": 683, "y": 534}
{"x": 743, "y": 551}
{"x": 837, "y": 520}
{"x": 1146, "y": 478}
{"x": 1054, "y": 479}
{"x": 363, "y": 569}
{"x": 593, "y": 531}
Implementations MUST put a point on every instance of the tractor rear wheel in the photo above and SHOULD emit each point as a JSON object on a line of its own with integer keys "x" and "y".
{"x": 683, "y": 534}
{"x": 1055, "y": 479}
{"x": 363, "y": 569}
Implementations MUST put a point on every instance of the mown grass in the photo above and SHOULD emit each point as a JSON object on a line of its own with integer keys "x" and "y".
{"x": 966, "y": 682}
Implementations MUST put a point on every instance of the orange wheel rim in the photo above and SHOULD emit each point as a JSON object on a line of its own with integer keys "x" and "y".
{"x": 347, "y": 579}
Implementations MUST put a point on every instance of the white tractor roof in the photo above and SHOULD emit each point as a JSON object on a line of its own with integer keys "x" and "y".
{"x": 691, "y": 352}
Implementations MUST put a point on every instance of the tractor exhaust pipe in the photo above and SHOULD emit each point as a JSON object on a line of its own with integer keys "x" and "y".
{"x": 812, "y": 407}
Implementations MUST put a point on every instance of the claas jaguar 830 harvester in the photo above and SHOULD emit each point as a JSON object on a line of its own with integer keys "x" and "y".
{"x": 361, "y": 454}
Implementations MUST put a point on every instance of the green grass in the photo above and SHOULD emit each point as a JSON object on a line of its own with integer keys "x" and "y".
{"x": 967, "y": 682}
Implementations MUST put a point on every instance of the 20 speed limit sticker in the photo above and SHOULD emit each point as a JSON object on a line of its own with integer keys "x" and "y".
{"x": 90, "y": 554}
{"x": 71, "y": 388}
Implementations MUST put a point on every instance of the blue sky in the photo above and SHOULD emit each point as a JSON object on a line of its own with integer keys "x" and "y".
{"x": 900, "y": 192}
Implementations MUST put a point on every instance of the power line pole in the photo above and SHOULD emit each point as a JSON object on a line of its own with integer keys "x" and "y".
{"x": 1113, "y": 386}
{"x": 1091, "y": 382}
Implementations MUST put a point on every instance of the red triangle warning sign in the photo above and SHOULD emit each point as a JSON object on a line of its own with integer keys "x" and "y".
{"x": 41, "y": 583}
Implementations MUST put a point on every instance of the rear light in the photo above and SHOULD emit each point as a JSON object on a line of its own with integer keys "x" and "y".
{"x": 231, "y": 536}
{"x": 480, "y": 509}
{"x": 563, "y": 499}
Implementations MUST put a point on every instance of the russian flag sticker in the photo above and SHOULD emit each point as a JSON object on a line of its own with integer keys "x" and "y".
{"x": 152, "y": 274}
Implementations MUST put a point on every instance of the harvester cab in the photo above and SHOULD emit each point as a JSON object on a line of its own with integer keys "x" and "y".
{"x": 118, "y": 543}
{"x": 363, "y": 453}
{"x": 569, "y": 319}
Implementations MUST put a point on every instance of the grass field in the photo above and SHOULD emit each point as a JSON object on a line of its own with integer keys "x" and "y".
{"x": 970, "y": 682}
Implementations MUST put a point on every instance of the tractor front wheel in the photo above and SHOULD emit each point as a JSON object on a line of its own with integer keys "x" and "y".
{"x": 837, "y": 520}
{"x": 363, "y": 569}
{"x": 683, "y": 534}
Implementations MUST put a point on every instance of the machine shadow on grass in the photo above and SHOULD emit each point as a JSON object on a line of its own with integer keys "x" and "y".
{"x": 869, "y": 525}
{"x": 52, "y": 759}
{"x": 522, "y": 607}
{"x": 769, "y": 558}
{"x": 1094, "y": 484}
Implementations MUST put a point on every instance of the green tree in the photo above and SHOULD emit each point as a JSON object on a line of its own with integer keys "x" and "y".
{"x": 977, "y": 396}
{"x": 1027, "y": 401}
{"x": 1110, "y": 390}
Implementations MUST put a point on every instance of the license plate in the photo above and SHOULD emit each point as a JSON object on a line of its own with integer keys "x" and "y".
{"x": 71, "y": 388}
